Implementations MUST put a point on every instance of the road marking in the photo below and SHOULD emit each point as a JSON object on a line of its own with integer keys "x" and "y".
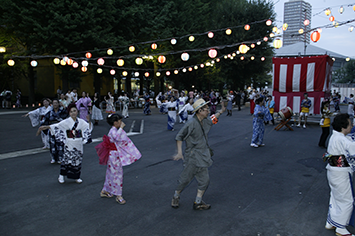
{"x": 12, "y": 112}
{"x": 41, "y": 150}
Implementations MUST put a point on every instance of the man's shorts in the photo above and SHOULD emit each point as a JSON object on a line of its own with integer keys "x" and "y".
{"x": 304, "y": 113}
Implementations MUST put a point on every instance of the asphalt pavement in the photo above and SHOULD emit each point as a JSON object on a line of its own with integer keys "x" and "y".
{"x": 277, "y": 190}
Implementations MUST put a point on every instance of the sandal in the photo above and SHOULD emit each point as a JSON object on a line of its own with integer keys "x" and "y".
{"x": 120, "y": 200}
{"x": 105, "y": 194}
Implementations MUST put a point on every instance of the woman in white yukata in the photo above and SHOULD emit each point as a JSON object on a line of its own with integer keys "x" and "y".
{"x": 187, "y": 112}
{"x": 73, "y": 132}
{"x": 172, "y": 107}
{"x": 122, "y": 152}
{"x": 37, "y": 118}
{"x": 110, "y": 108}
{"x": 341, "y": 165}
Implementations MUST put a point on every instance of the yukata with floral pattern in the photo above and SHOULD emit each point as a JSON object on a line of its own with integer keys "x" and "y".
{"x": 261, "y": 114}
{"x": 73, "y": 134}
{"x": 126, "y": 154}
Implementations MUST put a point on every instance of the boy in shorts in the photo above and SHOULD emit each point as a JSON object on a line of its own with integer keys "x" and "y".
{"x": 305, "y": 105}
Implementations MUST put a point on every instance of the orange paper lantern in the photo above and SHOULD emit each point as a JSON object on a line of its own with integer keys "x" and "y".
{"x": 315, "y": 36}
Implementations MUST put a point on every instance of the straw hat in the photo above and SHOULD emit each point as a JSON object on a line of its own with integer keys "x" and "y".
{"x": 199, "y": 103}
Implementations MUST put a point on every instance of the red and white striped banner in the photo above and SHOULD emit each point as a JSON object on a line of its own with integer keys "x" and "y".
{"x": 293, "y": 76}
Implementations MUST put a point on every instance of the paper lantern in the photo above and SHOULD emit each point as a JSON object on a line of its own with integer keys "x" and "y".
{"x": 146, "y": 74}
{"x": 266, "y": 39}
{"x": 191, "y": 38}
{"x": 331, "y": 18}
{"x": 190, "y": 68}
{"x": 252, "y": 45}
{"x": 347, "y": 59}
{"x": 274, "y": 29}
{"x": 268, "y": 22}
{"x": 100, "y": 61}
{"x": 2, "y": 49}
{"x": 65, "y": 59}
{"x": 217, "y": 60}
{"x": 124, "y": 73}
{"x": 241, "y": 58}
{"x": 258, "y": 43}
{"x": 131, "y": 48}
{"x": 315, "y": 36}
{"x": 158, "y": 74}
{"x": 75, "y": 64}
{"x": 88, "y": 55}
{"x": 154, "y": 46}
{"x": 173, "y": 41}
{"x": 210, "y": 34}
{"x": 109, "y": 51}
{"x": 34, "y": 63}
{"x": 263, "y": 58}
{"x": 85, "y": 63}
{"x": 195, "y": 67}
{"x": 243, "y": 48}
{"x": 136, "y": 74}
{"x": 300, "y": 31}
{"x": 161, "y": 59}
{"x": 167, "y": 73}
{"x": 228, "y": 31}
{"x": 84, "y": 69}
{"x": 184, "y": 70}
{"x": 120, "y": 62}
{"x": 70, "y": 62}
{"x": 202, "y": 65}
{"x": 112, "y": 72}
{"x": 351, "y": 28}
{"x": 272, "y": 35}
{"x": 56, "y": 60}
{"x": 212, "y": 53}
{"x": 252, "y": 58}
{"x": 306, "y": 22}
{"x": 277, "y": 43}
{"x": 284, "y": 26}
{"x": 99, "y": 70}
{"x": 327, "y": 12}
{"x": 247, "y": 27}
{"x": 139, "y": 61}
{"x": 176, "y": 72}
{"x": 62, "y": 62}
{"x": 354, "y": 7}
{"x": 341, "y": 10}
{"x": 185, "y": 56}
{"x": 319, "y": 30}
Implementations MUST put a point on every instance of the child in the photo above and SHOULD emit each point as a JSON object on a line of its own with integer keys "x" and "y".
{"x": 122, "y": 154}
{"x": 305, "y": 105}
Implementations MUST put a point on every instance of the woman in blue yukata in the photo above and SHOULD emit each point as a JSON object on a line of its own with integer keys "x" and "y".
{"x": 261, "y": 114}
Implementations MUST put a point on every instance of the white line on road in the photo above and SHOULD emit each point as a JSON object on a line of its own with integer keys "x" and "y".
{"x": 41, "y": 150}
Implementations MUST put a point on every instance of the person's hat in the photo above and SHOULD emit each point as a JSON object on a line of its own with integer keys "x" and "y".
{"x": 199, "y": 103}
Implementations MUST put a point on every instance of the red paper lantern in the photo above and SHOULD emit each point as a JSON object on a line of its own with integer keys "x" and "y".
{"x": 154, "y": 46}
{"x": 247, "y": 27}
{"x": 161, "y": 59}
{"x": 88, "y": 55}
{"x": 331, "y": 18}
{"x": 315, "y": 36}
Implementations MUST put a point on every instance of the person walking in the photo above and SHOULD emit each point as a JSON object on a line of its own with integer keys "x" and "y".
{"x": 122, "y": 152}
{"x": 197, "y": 157}
{"x": 341, "y": 165}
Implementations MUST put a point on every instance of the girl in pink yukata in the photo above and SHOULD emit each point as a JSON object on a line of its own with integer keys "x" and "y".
{"x": 125, "y": 154}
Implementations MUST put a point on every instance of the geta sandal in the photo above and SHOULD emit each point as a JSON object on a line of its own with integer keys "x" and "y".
{"x": 105, "y": 194}
{"x": 120, "y": 200}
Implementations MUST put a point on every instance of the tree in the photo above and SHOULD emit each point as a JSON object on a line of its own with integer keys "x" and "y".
{"x": 345, "y": 74}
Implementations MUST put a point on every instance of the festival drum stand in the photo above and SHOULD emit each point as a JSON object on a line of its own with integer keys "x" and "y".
{"x": 286, "y": 115}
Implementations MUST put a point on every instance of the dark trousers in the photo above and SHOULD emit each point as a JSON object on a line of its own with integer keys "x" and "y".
{"x": 324, "y": 136}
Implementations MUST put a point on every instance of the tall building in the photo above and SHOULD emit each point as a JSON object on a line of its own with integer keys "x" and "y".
{"x": 295, "y": 14}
